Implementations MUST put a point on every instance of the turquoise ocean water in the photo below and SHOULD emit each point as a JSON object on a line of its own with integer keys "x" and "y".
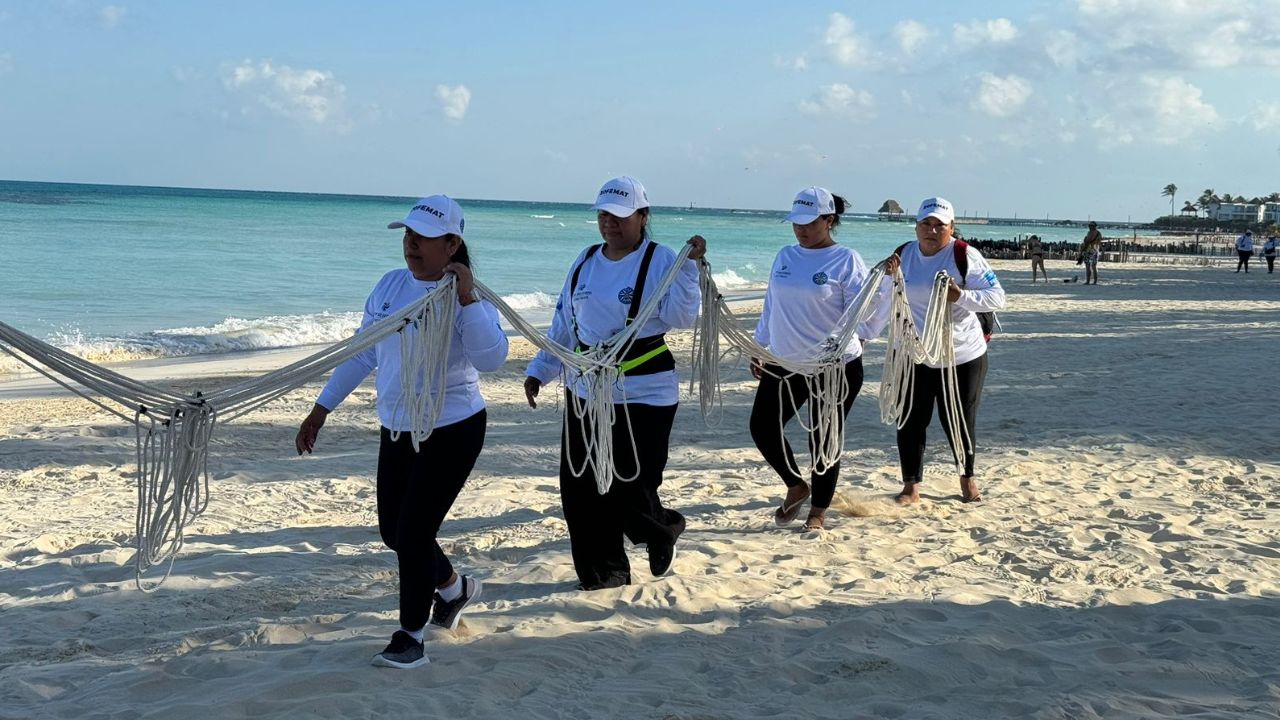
{"x": 115, "y": 272}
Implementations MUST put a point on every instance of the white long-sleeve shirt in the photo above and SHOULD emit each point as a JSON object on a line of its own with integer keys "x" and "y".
{"x": 981, "y": 292}
{"x": 809, "y": 291}
{"x": 1244, "y": 243}
{"x": 600, "y": 303}
{"x": 478, "y": 344}
{"x": 1269, "y": 247}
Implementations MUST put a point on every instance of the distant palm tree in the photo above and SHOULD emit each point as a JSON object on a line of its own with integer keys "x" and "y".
{"x": 1170, "y": 191}
{"x": 1207, "y": 198}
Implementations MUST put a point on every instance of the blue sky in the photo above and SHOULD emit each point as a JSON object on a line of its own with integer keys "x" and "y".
{"x": 1067, "y": 109}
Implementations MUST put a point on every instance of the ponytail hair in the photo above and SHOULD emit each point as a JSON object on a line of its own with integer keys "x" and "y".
{"x": 461, "y": 256}
{"x": 841, "y": 205}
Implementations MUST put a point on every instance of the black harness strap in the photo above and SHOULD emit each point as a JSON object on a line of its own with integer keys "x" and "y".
{"x": 661, "y": 362}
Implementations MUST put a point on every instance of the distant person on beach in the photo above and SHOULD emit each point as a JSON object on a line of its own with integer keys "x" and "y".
{"x": 974, "y": 288}
{"x": 1035, "y": 251}
{"x": 415, "y": 490}
{"x": 604, "y": 290}
{"x": 1244, "y": 248}
{"x": 1269, "y": 253}
{"x": 811, "y": 285}
{"x": 1090, "y": 251}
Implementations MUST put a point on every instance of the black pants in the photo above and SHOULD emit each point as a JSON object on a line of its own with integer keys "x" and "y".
{"x": 768, "y": 433}
{"x": 1243, "y": 262}
{"x": 1271, "y": 262}
{"x": 597, "y": 523}
{"x": 926, "y": 392}
{"x": 415, "y": 492}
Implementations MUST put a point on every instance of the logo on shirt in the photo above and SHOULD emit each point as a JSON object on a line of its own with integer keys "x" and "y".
{"x": 782, "y": 272}
{"x": 819, "y": 278}
{"x": 990, "y": 277}
{"x": 625, "y": 295}
{"x": 386, "y": 306}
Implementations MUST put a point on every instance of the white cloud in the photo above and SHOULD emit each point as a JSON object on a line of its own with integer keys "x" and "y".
{"x": 799, "y": 63}
{"x": 111, "y": 16}
{"x": 1001, "y": 96}
{"x": 1183, "y": 34}
{"x": 306, "y": 96}
{"x": 1164, "y": 110}
{"x": 1063, "y": 48}
{"x": 845, "y": 46}
{"x": 1265, "y": 117}
{"x": 455, "y": 101}
{"x": 911, "y": 35}
{"x": 977, "y": 33}
{"x": 840, "y": 99}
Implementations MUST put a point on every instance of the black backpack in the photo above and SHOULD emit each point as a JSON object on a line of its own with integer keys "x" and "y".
{"x": 986, "y": 319}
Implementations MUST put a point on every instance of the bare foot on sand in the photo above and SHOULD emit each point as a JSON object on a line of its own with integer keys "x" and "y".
{"x": 910, "y": 494}
{"x": 969, "y": 490}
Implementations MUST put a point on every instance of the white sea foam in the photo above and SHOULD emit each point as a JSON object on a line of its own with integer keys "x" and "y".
{"x": 542, "y": 217}
{"x": 530, "y": 301}
{"x": 730, "y": 280}
{"x": 230, "y": 335}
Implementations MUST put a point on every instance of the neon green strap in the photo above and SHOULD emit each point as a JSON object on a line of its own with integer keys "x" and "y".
{"x": 633, "y": 363}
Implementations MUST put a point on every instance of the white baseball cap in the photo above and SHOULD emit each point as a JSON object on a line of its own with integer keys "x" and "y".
{"x": 810, "y": 204}
{"x": 622, "y": 197}
{"x": 433, "y": 216}
{"x": 936, "y": 207}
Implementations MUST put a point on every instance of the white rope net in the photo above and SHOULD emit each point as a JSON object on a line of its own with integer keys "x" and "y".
{"x": 595, "y": 371}
{"x": 824, "y": 376}
{"x": 933, "y": 345}
{"x": 174, "y": 430}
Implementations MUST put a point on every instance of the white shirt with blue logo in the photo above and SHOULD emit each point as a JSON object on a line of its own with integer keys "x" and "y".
{"x": 980, "y": 292}
{"x": 1244, "y": 243}
{"x": 600, "y": 304}
{"x": 809, "y": 291}
{"x": 478, "y": 344}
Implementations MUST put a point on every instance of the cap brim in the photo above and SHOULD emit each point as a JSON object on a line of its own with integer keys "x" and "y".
{"x": 801, "y": 218}
{"x": 940, "y": 216}
{"x": 422, "y": 229}
{"x": 615, "y": 210}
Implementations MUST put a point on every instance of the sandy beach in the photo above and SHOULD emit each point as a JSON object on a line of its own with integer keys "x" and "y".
{"x": 1125, "y": 562}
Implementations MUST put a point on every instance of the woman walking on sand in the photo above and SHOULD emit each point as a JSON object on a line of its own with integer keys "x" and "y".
{"x": 603, "y": 292}
{"x": 973, "y": 288}
{"x": 416, "y": 489}
{"x": 811, "y": 285}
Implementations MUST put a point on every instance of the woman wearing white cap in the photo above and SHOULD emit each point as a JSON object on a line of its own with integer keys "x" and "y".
{"x": 605, "y": 288}
{"x": 973, "y": 289}
{"x": 417, "y": 489}
{"x": 811, "y": 285}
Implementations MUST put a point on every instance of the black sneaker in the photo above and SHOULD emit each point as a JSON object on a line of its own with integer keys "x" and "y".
{"x": 446, "y": 614}
{"x": 402, "y": 652}
{"x": 662, "y": 555}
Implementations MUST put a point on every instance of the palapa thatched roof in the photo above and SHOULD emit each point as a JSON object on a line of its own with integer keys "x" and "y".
{"x": 891, "y": 207}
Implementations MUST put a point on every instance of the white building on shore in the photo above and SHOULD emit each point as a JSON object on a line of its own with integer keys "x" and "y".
{"x": 1236, "y": 212}
{"x": 1271, "y": 212}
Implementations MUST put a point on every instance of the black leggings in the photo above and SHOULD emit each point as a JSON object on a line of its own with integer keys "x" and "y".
{"x": 415, "y": 492}
{"x": 1271, "y": 262}
{"x": 926, "y": 392}
{"x": 1243, "y": 262}
{"x": 598, "y": 522}
{"x": 777, "y": 385}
